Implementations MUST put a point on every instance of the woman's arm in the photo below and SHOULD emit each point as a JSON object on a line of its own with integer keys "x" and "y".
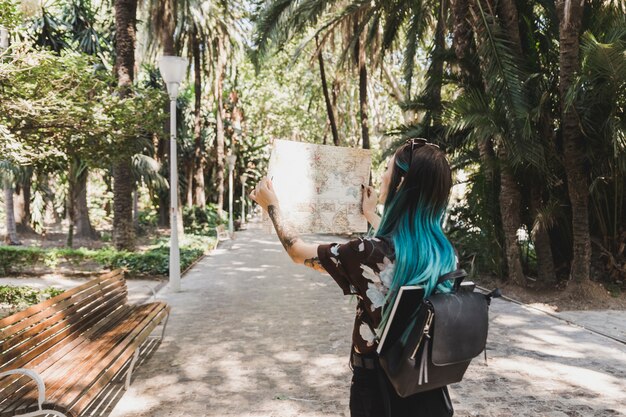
{"x": 298, "y": 250}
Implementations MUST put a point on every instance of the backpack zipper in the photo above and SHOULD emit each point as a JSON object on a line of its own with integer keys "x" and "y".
{"x": 429, "y": 320}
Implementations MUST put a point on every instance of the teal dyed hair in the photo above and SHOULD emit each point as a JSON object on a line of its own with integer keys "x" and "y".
{"x": 414, "y": 208}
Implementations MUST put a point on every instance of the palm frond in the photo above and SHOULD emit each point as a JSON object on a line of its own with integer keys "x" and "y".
{"x": 147, "y": 169}
{"x": 279, "y": 20}
{"x": 417, "y": 25}
{"x": 505, "y": 80}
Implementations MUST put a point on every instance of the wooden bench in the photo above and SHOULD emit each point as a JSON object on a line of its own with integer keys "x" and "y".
{"x": 76, "y": 343}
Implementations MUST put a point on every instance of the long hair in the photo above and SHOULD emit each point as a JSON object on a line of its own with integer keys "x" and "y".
{"x": 414, "y": 208}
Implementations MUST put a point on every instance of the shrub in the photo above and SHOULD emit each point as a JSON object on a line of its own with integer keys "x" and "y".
{"x": 154, "y": 261}
{"x": 200, "y": 221}
{"x": 25, "y": 295}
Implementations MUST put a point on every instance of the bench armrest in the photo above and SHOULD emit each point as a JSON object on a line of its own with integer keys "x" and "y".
{"x": 41, "y": 390}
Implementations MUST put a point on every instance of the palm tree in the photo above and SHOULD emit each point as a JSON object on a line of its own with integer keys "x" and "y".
{"x": 214, "y": 33}
{"x": 495, "y": 104}
{"x": 162, "y": 23}
{"x": 199, "y": 162}
{"x": 125, "y": 33}
{"x": 570, "y": 21}
{"x": 597, "y": 95}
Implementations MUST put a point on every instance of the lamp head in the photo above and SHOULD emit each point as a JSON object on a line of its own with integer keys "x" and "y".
{"x": 231, "y": 159}
{"x": 173, "y": 70}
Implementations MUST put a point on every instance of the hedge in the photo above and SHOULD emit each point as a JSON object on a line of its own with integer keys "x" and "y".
{"x": 153, "y": 261}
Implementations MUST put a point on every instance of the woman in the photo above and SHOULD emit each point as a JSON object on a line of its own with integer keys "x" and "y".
{"x": 408, "y": 248}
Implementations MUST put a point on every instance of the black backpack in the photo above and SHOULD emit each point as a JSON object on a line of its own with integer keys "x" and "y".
{"x": 445, "y": 332}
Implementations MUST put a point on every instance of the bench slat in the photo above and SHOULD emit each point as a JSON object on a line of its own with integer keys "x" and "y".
{"x": 78, "y": 341}
{"x": 80, "y": 311}
{"x": 7, "y": 321}
{"x": 85, "y": 400}
{"x": 52, "y": 306}
{"x": 95, "y": 358}
{"x": 88, "y": 357}
{"x": 47, "y": 360}
{"x": 29, "y": 351}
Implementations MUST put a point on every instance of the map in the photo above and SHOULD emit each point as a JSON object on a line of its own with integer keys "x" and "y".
{"x": 319, "y": 186}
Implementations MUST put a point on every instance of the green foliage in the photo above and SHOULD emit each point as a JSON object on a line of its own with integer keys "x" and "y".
{"x": 57, "y": 107}
{"x": 283, "y": 100}
{"x": 474, "y": 227}
{"x": 10, "y": 15}
{"x": 25, "y": 295}
{"x": 153, "y": 261}
{"x": 198, "y": 221}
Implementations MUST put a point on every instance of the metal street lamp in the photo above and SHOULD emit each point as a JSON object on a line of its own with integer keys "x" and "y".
{"x": 243, "y": 179}
{"x": 231, "y": 159}
{"x": 4, "y": 38}
{"x": 173, "y": 70}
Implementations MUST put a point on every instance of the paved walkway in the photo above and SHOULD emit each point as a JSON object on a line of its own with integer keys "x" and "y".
{"x": 254, "y": 335}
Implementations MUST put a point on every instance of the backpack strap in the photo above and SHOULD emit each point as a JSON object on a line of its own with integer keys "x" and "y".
{"x": 457, "y": 275}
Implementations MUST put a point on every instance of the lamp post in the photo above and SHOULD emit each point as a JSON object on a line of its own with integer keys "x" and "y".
{"x": 243, "y": 179}
{"x": 4, "y": 38}
{"x": 173, "y": 70}
{"x": 231, "y": 159}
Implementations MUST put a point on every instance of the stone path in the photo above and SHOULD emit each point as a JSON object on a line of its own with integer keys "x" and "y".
{"x": 254, "y": 335}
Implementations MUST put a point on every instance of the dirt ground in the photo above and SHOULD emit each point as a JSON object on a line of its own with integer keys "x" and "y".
{"x": 587, "y": 296}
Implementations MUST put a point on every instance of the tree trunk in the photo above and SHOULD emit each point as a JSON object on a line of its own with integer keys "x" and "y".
{"x": 507, "y": 11}
{"x": 219, "y": 118}
{"x": 163, "y": 195}
{"x": 125, "y": 19}
{"x": 136, "y": 208}
{"x": 359, "y": 55}
{"x": 166, "y": 21}
{"x": 70, "y": 203}
{"x": 123, "y": 230}
{"x": 11, "y": 228}
{"x": 541, "y": 238}
{"x": 82, "y": 223}
{"x": 188, "y": 172}
{"x": 22, "y": 203}
{"x": 199, "y": 196}
{"x": 510, "y": 205}
{"x": 435, "y": 72}
{"x": 329, "y": 106}
{"x": 108, "y": 181}
{"x": 574, "y": 158}
{"x": 167, "y": 25}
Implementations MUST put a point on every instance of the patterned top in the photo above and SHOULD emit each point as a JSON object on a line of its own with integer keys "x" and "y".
{"x": 363, "y": 267}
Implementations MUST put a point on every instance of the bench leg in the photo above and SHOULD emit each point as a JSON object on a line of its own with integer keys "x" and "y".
{"x": 165, "y": 325}
{"x": 130, "y": 369}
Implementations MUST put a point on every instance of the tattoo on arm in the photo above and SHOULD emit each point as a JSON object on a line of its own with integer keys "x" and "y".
{"x": 315, "y": 264}
{"x": 286, "y": 232}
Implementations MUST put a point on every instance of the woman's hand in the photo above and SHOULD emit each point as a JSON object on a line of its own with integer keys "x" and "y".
{"x": 263, "y": 194}
{"x": 369, "y": 200}
{"x": 368, "y": 204}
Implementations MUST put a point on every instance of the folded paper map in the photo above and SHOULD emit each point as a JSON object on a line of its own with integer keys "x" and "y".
{"x": 319, "y": 186}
